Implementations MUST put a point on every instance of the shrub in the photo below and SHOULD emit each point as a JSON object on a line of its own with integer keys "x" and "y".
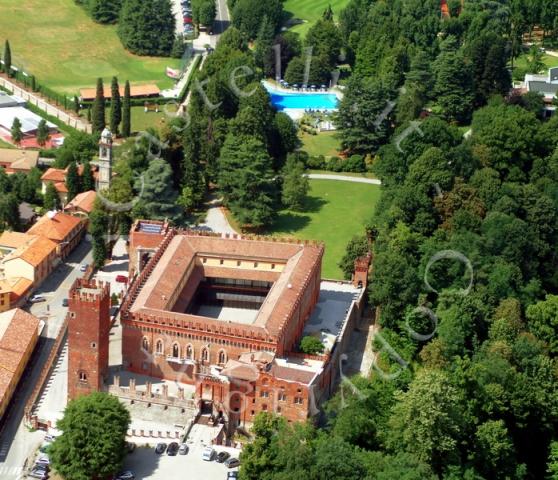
{"x": 311, "y": 345}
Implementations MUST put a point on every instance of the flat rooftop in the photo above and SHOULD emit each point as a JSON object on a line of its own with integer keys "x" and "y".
{"x": 330, "y": 314}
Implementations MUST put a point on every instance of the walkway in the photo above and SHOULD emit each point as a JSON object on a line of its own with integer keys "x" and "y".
{"x": 50, "y": 109}
{"x": 216, "y": 220}
{"x": 345, "y": 178}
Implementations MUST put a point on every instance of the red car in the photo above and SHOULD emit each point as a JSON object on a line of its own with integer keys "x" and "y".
{"x": 121, "y": 278}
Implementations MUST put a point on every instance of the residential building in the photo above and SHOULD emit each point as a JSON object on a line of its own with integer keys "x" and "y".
{"x": 14, "y": 160}
{"x": 546, "y": 85}
{"x": 19, "y": 332}
{"x": 57, "y": 176}
{"x": 82, "y": 204}
{"x": 63, "y": 229}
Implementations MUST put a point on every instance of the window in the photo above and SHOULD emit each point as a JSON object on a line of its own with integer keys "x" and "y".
{"x": 238, "y": 263}
{"x": 264, "y": 407}
{"x": 282, "y": 397}
{"x": 82, "y": 377}
{"x": 272, "y": 266}
{"x": 204, "y": 260}
{"x": 159, "y": 348}
{"x": 93, "y": 345}
{"x": 298, "y": 400}
{"x": 252, "y": 413}
{"x": 222, "y": 358}
{"x": 145, "y": 344}
{"x": 189, "y": 351}
{"x": 205, "y": 355}
{"x": 175, "y": 351}
{"x": 264, "y": 393}
{"x": 221, "y": 261}
{"x": 255, "y": 264}
{"x": 278, "y": 409}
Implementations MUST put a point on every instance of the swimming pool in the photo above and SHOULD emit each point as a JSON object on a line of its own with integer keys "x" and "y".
{"x": 304, "y": 101}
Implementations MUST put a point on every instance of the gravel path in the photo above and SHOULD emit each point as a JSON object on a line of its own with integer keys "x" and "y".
{"x": 345, "y": 178}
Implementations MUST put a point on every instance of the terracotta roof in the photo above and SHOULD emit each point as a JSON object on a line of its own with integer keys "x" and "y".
{"x": 56, "y": 228}
{"x": 18, "y": 159}
{"x": 61, "y": 187}
{"x": 17, "y": 287}
{"x": 35, "y": 250}
{"x": 135, "y": 91}
{"x": 54, "y": 175}
{"x": 292, "y": 374}
{"x": 189, "y": 248}
{"x": 18, "y": 332}
{"x": 83, "y": 201}
{"x": 241, "y": 371}
{"x": 15, "y": 239}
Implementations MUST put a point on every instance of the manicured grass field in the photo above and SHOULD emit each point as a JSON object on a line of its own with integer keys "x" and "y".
{"x": 324, "y": 143}
{"x": 310, "y": 11}
{"x": 336, "y": 211}
{"x": 58, "y": 42}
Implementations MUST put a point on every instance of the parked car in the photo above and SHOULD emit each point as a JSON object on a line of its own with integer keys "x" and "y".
{"x": 65, "y": 302}
{"x": 40, "y": 474}
{"x": 126, "y": 475}
{"x": 208, "y": 454}
{"x": 83, "y": 267}
{"x": 183, "y": 450}
{"x": 222, "y": 456}
{"x": 161, "y": 448}
{"x": 232, "y": 462}
{"x": 42, "y": 460}
{"x": 172, "y": 450}
{"x": 50, "y": 437}
{"x": 121, "y": 278}
{"x": 37, "y": 299}
{"x": 232, "y": 475}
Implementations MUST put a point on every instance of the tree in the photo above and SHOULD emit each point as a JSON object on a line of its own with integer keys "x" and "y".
{"x": 52, "y": 199}
{"x": 263, "y": 52}
{"x": 9, "y": 212}
{"x": 357, "y": 247}
{"x": 16, "y": 133}
{"x": 543, "y": 321}
{"x": 311, "y": 345}
{"x": 77, "y": 105}
{"x": 105, "y": 11}
{"x": 362, "y": 119}
{"x": 87, "y": 179}
{"x": 7, "y": 58}
{"x": 178, "y": 46}
{"x": 115, "y": 107}
{"x": 207, "y": 13}
{"x": 147, "y": 28}
{"x": 247, "y": 15}
{"x": 73, "y": 183}
{"x": 43, "y": 133}
{"x": 247, "y": 181}
{"x": 157, "y": 198}
{"x": 295, "y": 184}
{"x": 126, "y": 111}
{"x": 98, "y": 111}
{"x": 92, "y": 444}
{"x": 99, "y": 229}
{"x": 552, "y": 466}
{"x": 426, "y": 419}
{"x": 535, "y": 63}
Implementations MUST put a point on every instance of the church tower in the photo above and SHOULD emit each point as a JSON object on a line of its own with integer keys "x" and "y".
{"x": 88, "y": 337}
{"x": 105, "y": 160}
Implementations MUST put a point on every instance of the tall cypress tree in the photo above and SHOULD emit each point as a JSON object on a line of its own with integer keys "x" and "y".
{"x": 87, "y": 180}
{"x": 115, "y": 107}
{"x": 98, "y": 113}
{"x": 16, "y": 133}
{"x": 126, "y": 111}
{"x": 7, "y": 58}
{"x": 72, "y": 181}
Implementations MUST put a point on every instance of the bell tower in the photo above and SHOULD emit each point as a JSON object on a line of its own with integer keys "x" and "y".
{"x": 105, "y": 160}
{"x": 88, "y": 337}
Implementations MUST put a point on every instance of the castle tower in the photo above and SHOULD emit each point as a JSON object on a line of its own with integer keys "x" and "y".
{"x": 105, "y": 160}
{"x": 360, "y": 274}
{"x": 88, "y": 337}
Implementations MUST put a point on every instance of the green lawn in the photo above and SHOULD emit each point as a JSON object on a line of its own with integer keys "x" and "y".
{"x": 336, "y": 211}
{"x": 59, "y": 43}
{"x": 324, "y": 143}
{"x": 549, "y": 61}
{"x": 4, "y": 144}
{"x": 141, "y": 121}
{"x": 310, "y": 10}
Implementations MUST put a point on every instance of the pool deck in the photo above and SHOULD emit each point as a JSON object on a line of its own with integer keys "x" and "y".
{"x": 276, "y": 87}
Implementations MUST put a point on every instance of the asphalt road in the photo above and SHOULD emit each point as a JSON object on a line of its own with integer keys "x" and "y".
{"x": 16, "y": 442}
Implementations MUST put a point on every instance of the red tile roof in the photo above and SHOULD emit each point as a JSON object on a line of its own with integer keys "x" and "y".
{"x": 56, "y": 228}
{"x": 83, "y": 201}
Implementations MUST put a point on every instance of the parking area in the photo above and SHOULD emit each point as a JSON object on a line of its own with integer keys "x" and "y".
{"x": 146, "y": 464}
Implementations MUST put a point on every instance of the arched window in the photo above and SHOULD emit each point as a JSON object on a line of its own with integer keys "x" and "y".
{"x": 222, "y": 358}
{"x": 189, "y": 352}
{"x": 205, "y": 355}
{"x": 82, "y": 377}
{"x": 159, "y": 348}
{"x": 175, "y": 350}
{"x": 145, "y": 344}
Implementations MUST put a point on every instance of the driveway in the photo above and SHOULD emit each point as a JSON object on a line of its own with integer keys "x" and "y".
{"x": 215, "y": 220}
{"x": 344, "y": 178}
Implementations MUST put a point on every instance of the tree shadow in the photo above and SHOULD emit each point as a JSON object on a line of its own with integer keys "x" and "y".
{"x": 313, "y": 204}
{"x": 289, "y": 222}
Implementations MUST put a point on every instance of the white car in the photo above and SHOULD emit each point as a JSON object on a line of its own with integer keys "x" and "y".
{"x": 49, "y": 437}
{"x": 37, "y": 299}
{"x": 43, "y": 460}
{"x": 208, "y": 454}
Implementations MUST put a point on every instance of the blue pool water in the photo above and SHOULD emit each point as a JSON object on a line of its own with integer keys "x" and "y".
{"x": 315, "y": 101}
